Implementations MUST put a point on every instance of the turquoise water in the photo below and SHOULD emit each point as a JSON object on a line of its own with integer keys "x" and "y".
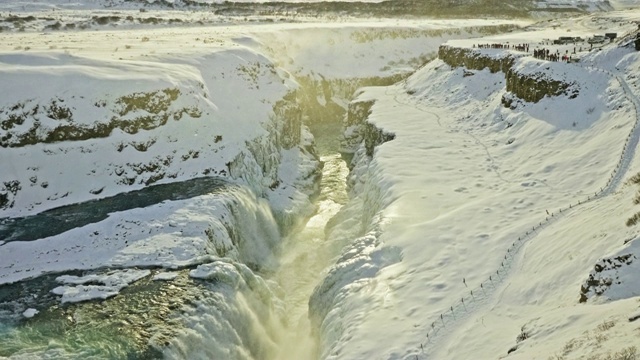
{"x": 59, "y": 220}
{"x": 117, "y": 328}
{"x": 121, "y": 327}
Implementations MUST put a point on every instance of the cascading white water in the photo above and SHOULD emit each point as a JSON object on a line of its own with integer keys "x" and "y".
{"x": 219, "y": 309}
{"x": 224, "y": 308}
{"x": 305, "y": 256}
{"x": 243, "y": 316}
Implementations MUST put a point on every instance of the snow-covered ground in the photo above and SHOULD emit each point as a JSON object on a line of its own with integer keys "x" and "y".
{"x": 491, "y": 218}
{"x": 87, "y": 115}
{"x": 214, "y": 92}
{"x": 454, "y": 232}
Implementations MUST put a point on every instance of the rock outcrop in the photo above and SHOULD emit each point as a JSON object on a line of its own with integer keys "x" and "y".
{"x": 533, "y": 87}
{"x": 359, "y": 130}
{"x": 475, "y": 60}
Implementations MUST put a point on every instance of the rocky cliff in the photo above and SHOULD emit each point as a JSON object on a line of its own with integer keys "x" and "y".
{"x": 473, "y": 59}
{"x": 530, "y": 86}
{"x": 534, "y": 86}
{"x": 357, "y": 130}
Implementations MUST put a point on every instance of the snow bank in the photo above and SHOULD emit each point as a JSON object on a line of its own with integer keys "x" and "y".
{"x": 165, "y": 276}
{"x": 173, "y": 234}
{"x": 103, "y": 286}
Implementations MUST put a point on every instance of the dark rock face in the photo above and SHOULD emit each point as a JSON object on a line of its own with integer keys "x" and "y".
{"x": 8, "y": 192}
{"x": 358, "y": 112}
{"x": 534, "y": 87}
{"x": 604, "y": 275}
{"x": 474, "y": 60}
{"x": 289, "y": 112}
{"x": 356, "y": 117}
{"x": 374, "y": 137}
{"x": 359, "y": 129}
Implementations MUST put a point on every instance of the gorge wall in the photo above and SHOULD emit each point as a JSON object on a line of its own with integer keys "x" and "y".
{"x": 521, "y": 83}
{"x": 63, "y": 146}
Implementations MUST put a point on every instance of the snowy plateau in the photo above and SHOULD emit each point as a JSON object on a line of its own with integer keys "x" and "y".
{"x": 182, "y": 183}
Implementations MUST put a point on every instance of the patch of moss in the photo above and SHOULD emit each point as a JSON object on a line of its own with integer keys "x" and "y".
{"x": 104, "y": 20}
{"x": 55, "y": 26}
{"x": 58, "y": 112}
{"x": 153, "y": 102}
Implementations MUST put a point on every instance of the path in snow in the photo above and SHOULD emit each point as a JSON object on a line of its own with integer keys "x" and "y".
{"x": 494, "y": 164}
{"x": 478, "y": 296}
{"x": 630, "y": 145}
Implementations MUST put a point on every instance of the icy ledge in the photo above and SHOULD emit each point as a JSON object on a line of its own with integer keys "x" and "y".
{"x": 77, "y": 288}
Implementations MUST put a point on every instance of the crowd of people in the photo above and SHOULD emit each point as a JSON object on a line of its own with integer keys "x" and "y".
{"x": 518, "y": 47}
{"x": 542, "y": 54}
{"x": 492, "y": 46}
{"x": 522, "y": 47}
{"x": 546, "y": 54}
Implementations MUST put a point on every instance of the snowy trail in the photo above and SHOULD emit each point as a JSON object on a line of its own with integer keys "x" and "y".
{"x": 416, "y": 104}
{"x": 631, "y": 142}
{"x": 494, "y": 163}
{"x": 480, "y": 295}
